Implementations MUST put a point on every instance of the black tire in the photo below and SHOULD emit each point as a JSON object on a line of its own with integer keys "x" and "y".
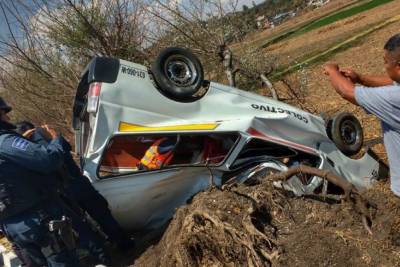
{"x": 178, "y": 74}
{"x": 346, "y": 132}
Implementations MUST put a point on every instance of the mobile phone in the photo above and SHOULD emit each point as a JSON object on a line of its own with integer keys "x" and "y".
{"x": 39, "y": 136}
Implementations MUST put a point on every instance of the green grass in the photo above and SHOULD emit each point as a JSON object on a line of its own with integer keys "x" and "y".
{"x": 288, "y": 33}
{"x": 278, "y": 38}
{"x": 324, "y": 55}
{"x": 303, "y": 62}
{"x": 354, "y": 9}
{"x": 342, "y": 15}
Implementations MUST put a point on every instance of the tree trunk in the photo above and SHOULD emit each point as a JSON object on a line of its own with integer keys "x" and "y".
{"x": 228, "y": 65}
{"x": 269, "y": 85}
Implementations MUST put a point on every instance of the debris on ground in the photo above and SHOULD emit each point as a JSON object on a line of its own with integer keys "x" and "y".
{"x": 259, "y": 225}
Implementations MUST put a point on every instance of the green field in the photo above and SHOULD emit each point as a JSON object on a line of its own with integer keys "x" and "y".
{"x": 341, "y": 15}
{"x": 324, "y": 55}
{"x": 326, "y": 20}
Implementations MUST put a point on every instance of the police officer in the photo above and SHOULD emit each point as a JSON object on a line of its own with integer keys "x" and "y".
{"x": 27, "y": 211}
{"x": 88, "y": 238}
{"x": 80, "y": 190}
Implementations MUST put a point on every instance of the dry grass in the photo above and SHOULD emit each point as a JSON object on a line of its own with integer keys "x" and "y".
{"x": 259, "y": 38}
{"x": 320, "y": 39}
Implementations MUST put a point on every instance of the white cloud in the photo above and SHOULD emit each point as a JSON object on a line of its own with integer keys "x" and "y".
{"x": 248, "y": 3}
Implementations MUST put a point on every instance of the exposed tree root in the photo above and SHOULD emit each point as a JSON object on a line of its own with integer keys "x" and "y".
{"x": 350, "y": 192}
{"x": 236, "y": 224}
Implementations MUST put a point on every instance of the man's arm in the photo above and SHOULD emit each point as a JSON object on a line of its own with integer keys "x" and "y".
{"x": 344, "y": 86}
{"x": 35, "y": 157}
{"x": 367, "y": 80}
{"x": 375, "y": 80}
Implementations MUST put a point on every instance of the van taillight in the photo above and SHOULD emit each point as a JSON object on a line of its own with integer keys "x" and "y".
{"x": 93, "y": 97}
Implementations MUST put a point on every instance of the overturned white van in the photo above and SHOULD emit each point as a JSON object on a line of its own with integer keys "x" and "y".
{"x": 122, "y": 108}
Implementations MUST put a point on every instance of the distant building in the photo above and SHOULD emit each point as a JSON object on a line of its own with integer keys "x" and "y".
{"x": 278, "y": 19}
{"x": 317, "y": 3}
{"x": 260, "y": 21}
{"x": 263, "y": 22}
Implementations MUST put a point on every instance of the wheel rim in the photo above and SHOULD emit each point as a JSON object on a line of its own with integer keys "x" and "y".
{"x": 348, "y": 132}
{"x": 180, "y": 71}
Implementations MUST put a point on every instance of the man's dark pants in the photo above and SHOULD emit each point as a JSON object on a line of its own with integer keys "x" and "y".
{"x": 88, "y": 239}
{"x": 83, "y": 192}
{"x": 29, "y": 231}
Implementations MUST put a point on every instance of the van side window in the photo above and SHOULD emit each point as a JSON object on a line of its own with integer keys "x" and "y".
{"x": 258, "y": 149}
{"x": 133, "y": 153}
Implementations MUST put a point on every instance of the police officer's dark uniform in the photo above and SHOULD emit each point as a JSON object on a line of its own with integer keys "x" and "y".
{"x": 79, "y": 189}
{"x": 90, "y": 200}
{"x": 25, "y": 208}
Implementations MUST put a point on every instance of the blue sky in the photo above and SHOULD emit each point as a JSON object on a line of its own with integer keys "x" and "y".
{"x": 4, "y": 30}
{"x": 3, "y": 24}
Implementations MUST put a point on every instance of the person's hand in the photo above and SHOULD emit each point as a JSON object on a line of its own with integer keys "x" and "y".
{"x": 49, "y": 133}
{"x": 351, "y": 74}
{"x": 28, "y": 134}
{"x": 330, "y": 67}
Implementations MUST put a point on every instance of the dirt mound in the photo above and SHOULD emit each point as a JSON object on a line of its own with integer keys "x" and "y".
{"x": 261, "y": 226}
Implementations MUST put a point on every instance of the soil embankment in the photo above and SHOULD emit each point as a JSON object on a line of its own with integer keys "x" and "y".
{"x": 261, "y": 226}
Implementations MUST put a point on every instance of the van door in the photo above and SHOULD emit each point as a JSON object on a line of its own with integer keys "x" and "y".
{"x": 148, "y": 200}
{"x": 99, "y": 70}
{"x": 146, "y": 196}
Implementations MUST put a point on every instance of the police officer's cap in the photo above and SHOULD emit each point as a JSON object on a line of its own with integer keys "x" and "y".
{"x": 4, "y": 106}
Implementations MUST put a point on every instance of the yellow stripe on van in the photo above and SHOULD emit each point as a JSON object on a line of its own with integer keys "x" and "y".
{"x": 127, "y": 127}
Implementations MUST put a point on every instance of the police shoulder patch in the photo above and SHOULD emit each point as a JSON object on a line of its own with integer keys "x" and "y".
{"x": 20, "y": 143}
